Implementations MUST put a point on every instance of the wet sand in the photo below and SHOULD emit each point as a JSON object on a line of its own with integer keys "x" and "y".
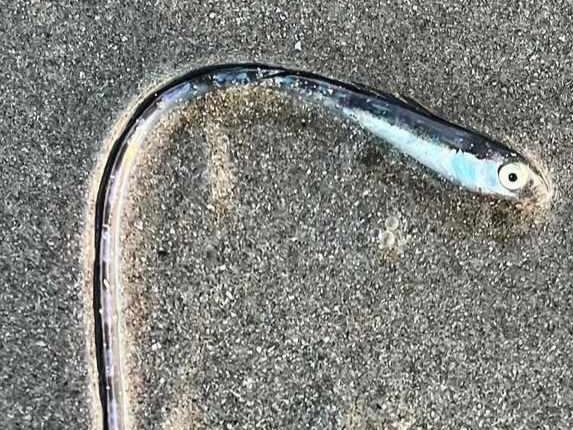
{"x": 249, "y": 307}
{"x": 258, "y": 292}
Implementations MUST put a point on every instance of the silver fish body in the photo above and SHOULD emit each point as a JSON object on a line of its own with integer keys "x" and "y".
{"x": 460, "y": 155}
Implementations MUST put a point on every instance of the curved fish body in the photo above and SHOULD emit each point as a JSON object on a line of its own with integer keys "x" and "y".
{"x": 458, "y": 154}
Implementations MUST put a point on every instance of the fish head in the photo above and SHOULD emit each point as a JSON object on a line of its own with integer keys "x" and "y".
{"x": 524, "y": 181}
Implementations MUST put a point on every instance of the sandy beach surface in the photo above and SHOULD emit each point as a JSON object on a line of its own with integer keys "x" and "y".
{"x": 283, "y": 269}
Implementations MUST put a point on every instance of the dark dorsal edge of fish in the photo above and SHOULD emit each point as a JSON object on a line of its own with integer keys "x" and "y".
{"x": 476, "y": 142}
{"x": 404, "y": 101}
{"x": 268, "y": 71}
{"x": 410, "y": 102}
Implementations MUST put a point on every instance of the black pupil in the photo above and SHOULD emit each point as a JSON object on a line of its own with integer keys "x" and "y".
{"x": 512, "y": 177}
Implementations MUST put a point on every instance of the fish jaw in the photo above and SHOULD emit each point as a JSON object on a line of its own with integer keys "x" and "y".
{"x": 539, "y": 191}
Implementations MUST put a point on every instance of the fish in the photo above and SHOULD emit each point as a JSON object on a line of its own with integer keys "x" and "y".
{"x": 458, "y": 154}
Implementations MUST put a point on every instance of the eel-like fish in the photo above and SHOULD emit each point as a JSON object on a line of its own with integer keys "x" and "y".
{"x": 458, "y": 154}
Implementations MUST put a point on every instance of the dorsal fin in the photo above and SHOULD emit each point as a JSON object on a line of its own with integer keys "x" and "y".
{"x": 418, "y": 106}
{"x": 367, "y": 89}
{"x": 402, "y": 99}
{"x": 413, "y": 104}
{"x": 409, "y": 100}
{"x": 427, "y": 111}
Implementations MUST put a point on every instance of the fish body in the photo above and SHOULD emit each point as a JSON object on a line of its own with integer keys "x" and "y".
{"x": 463, "y": 156}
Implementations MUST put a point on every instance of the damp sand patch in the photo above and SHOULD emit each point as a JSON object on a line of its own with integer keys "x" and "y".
{"x": 256, "y": 292}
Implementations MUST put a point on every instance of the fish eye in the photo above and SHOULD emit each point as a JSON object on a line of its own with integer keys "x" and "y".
{"x": 513, "y": 176}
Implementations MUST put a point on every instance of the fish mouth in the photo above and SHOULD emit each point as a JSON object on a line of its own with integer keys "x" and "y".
{"x": 539, "y": 192}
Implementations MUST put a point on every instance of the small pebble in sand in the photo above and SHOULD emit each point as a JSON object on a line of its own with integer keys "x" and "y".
{"x": 387, "y": 240}
{"x": 392, "y": 223}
